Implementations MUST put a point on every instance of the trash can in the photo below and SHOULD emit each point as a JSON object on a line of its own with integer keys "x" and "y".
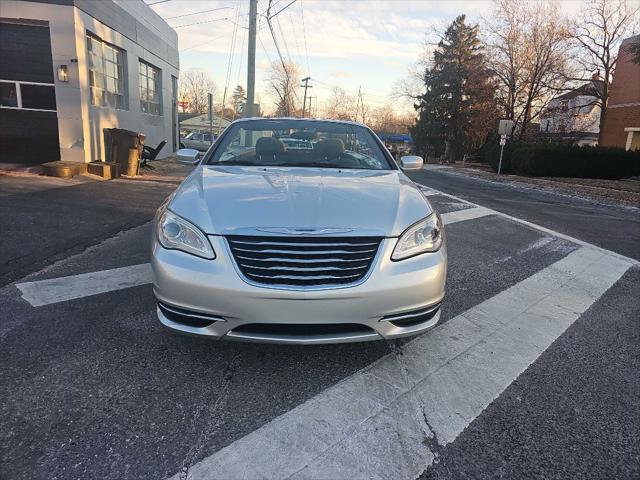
{"x": 118, "y": 143}
{"x": 133, "y": 164}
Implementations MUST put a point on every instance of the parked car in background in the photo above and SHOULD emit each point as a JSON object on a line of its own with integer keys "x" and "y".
{"x": 273, "y": 240}
{"x": 296, "y": 144}
{"x": 198, "y": 141}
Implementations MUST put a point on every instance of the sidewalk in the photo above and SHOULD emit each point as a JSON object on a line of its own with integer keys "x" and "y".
{"x": 44, "y": 219}
{"x": 624, "y": 192}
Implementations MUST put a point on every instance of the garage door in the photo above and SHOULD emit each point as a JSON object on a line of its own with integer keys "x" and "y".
{"x": 28, "y": 119}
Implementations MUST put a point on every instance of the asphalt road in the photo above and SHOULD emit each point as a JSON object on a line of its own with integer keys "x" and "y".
{"x": 614, "y": 228}
{"x": 43, "y": 220}
{"x": 96, "y": 388}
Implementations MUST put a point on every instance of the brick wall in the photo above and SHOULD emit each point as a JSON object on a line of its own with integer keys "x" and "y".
{"x": 625, "y": 89}
{"x": 616, "y": 120}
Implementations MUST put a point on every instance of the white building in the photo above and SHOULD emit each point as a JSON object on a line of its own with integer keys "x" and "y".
{"x": 574, "y": 116}
{"x": 70, "y": 68}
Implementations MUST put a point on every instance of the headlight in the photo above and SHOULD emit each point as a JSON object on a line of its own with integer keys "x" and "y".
{"x": 176, "y": 233}
{"x": 421, "y": 237}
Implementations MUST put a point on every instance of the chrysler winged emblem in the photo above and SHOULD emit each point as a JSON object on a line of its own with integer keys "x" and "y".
{"x": 305, "y": 231}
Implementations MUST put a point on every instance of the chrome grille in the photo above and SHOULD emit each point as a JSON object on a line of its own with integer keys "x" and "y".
{"x": 304, "y": 261}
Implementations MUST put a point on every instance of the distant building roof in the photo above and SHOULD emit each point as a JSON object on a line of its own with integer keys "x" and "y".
{"x": 186, "y": 116}
{"x": 594, "y": 88}
{"x": 201, "y": 121}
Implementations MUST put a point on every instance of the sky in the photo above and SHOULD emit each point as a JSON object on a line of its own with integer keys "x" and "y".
{"x": 352, "y": 44}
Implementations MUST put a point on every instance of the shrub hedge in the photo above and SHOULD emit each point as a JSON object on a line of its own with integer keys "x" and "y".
{"x": 491, "y": 153}
{"x": 559, "y": 160}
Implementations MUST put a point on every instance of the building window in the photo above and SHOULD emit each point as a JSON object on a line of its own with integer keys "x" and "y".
{"x": 107, "y": 74}
{"x": 8, "y": 94}
{"x": 150, "y": 88}
{"x": 27, "y": 96}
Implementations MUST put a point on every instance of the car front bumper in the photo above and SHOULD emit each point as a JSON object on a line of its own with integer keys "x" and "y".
{"x": 211, "y": 298}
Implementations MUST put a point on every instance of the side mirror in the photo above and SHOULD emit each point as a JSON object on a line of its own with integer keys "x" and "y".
{"x": 410, "y": 163}
{"x": 188, "y": 155}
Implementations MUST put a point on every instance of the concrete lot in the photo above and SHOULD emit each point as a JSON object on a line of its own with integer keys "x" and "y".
{"x": 532, "y": 373}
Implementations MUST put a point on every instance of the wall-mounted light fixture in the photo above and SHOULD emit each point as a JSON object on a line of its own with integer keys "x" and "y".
{"x": 63, "y": 73}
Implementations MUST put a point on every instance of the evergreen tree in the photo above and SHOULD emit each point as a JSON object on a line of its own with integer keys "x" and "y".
{"x": 458, "y": 108}
{"x": 238, "y": 98}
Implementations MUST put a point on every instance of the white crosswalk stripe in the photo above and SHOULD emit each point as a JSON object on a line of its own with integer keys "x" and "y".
{"x": 55, "y": 290}
{"x": 465, "y": 214}
{"x": 379, "y": 422}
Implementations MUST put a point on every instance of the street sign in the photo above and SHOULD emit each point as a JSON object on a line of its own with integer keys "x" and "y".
{"x": 505, "y": 127}
{"x": 503, "y": 142}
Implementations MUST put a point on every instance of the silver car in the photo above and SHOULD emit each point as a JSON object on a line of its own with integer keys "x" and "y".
{"x": 321, "y": 245}
{"x": 197, "y": 141}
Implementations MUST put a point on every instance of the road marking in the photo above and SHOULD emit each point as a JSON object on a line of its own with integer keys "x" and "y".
{"x": 427, "y": 191}
{"x": 465, "y": 214}
{"x": 540, "y": 228}
{"x": 45, "y": 292}
{"x": 379, "y": 422}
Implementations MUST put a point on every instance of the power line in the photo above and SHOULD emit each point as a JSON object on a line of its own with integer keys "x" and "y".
{"x": 244, "y": 37}
{"x": 157, "y": 2}
{"x": 266, "y": 10}
{"x": 284, "y": 8}
{"x": 304, "y": 33}
{"x": 203, "y": 43}
{"x": 200, "y": 23}
{"x": 284, "y": 40}
{"x": 273, "y": 36}
{"x": 231, "y": 50}
{"x": 196, "y": 13}
{"x": 295, "y": 36}
{"x": 354, "y": 92}
{"x": 264, "y": 49}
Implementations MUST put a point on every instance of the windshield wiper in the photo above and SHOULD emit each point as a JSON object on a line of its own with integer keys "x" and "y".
{"x": 245, "y": 163}
{"x": 317, "y": 164}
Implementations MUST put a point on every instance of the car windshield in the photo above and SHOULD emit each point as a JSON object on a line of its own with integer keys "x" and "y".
{"x": 299, "y": 143}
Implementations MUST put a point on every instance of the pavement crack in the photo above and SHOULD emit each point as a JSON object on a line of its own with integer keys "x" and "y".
{"x": 397, "y": 353}
{"x": 431, "y": 441}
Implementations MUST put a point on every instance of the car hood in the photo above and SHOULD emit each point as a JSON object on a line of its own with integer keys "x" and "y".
{"x": 277, "y": 200}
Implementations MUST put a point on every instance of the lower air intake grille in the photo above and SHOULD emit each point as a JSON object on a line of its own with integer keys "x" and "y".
{"x": 304, "y": 261}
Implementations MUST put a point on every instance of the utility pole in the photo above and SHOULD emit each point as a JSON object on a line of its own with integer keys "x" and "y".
{"x": 360, "y": 104}
{"x": 224, "y": 98}
{"x": 251, "y": 58}
{"x": 311, "y": 104}
{"x": 210, "y": 111}
{"x": 305, "y": 86}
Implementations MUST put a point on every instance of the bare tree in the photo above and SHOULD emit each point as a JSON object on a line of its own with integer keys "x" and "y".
{"x": 341, "y": 105}
{"x": 597, "y": 34}
{"x": 385, "y": 120}
{"x": 527, "y": 45}
{"x": 284, "y": 80}
{"x": 410, "y": 88}
{"x": 195, "y": 86}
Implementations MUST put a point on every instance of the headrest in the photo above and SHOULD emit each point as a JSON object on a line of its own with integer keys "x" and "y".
{"x": 332, "y": 148}
{"x": 269, "y": 146}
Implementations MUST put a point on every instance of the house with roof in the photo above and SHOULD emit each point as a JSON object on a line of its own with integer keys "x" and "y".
{"x": 574, "y": 117}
